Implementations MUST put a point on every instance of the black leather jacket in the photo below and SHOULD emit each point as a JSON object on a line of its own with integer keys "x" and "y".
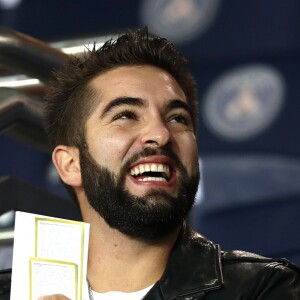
{"x": 197, "y": 269}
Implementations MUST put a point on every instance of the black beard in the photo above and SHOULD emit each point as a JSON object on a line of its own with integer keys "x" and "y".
{"x": 147, "y": 217}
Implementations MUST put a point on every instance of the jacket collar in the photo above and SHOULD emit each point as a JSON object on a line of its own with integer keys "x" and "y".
{"x": 194, "y": 266}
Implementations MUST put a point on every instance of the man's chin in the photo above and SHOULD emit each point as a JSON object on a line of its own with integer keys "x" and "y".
{"x": 144, "y": 211}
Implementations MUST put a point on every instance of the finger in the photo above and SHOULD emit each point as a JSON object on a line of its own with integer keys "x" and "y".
{"x": 53, "y": 297}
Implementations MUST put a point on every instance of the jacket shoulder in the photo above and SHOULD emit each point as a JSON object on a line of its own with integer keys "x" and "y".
{"x": 244, "y": 257}
{"x": 274, "y": 278}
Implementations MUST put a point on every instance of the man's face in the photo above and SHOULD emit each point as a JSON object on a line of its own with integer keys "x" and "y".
{"x": 140, "y": 171}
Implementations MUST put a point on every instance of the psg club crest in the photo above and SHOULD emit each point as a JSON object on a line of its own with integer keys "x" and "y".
{"x": 244, "y": 102}
{"x": 178, "y": 20}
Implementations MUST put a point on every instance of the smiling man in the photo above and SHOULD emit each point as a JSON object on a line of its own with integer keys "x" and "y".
{"x": 140, "y": 139}
{"x": 122, "y": 123}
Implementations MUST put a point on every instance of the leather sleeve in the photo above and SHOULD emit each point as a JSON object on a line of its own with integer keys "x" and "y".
{"x": 258, "y": 279}
{"x": 281, "y": 282}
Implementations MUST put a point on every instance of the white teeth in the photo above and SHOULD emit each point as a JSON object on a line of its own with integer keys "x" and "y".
{"x": 160, "y": 168}
{"x": 153, "y": 168}
{"x": 136, "y": 171}
{"x": 153, "y": 179}
{"x": 142, "y": 168}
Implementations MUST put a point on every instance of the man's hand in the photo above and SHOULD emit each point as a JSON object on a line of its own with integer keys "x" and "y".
{"x": 54, "y": 297}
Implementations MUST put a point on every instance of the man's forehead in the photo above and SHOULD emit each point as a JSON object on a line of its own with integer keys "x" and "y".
{"x": 143, "y": 82}
{"x": 125, "y": 74}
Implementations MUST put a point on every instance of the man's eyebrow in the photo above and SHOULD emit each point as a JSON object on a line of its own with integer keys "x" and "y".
{"x": 122, "y": 101}
{"x": 176, "y": 103}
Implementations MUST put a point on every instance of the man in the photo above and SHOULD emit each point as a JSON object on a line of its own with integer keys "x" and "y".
{"x": 122, "y": 122}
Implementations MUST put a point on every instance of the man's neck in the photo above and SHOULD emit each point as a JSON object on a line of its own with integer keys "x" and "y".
{"x": 120, "y": 263}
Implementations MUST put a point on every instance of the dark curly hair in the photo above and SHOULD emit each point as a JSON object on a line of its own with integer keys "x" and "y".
{"x": 70, "y": 99}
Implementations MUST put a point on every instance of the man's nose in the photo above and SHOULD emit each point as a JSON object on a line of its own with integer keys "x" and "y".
{"x": 155, "y": 134}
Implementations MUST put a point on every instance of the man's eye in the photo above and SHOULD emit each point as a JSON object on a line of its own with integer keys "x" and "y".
{"x": 180, "y": 119}
{"x": 125, "y": 115}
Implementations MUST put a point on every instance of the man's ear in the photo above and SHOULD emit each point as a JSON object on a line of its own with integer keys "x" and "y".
{"x": 66, "y": 161}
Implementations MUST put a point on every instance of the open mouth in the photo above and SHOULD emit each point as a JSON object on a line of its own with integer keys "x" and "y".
{"x": 151, "y": 172}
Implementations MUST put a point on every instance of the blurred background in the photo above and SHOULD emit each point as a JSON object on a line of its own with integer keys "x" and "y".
{"x": 245, "y": 56}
